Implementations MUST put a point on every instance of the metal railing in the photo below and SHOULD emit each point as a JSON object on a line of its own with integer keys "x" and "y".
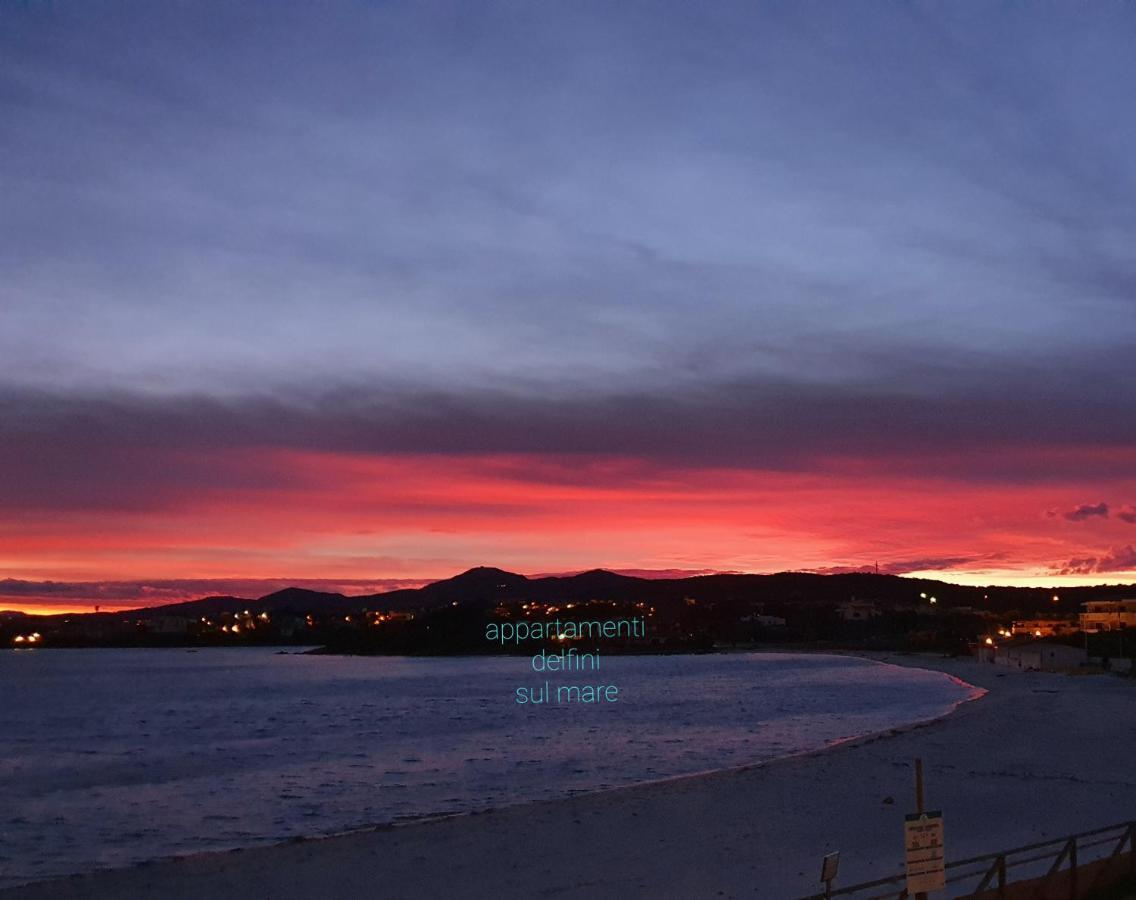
{"x": 990, "y": 872}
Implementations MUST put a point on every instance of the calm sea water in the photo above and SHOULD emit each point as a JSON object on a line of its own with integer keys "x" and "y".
{"x": 109, "y": 757}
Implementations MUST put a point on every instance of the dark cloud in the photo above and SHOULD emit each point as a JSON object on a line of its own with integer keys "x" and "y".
{"x": 1119, "y": 559}
{"x": 1087, "y": 511}
{"x": 937, "y": 562}
{"x": 115, "y": 450}
{"x": 1127, "y": 514}
{"x": 968, "y": 407}
{"x": 904, "y": 567}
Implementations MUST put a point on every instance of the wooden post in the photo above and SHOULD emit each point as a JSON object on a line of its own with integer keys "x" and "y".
{"x": 828, "y": 869}
{"x": 922, "y": 895}
{"x": 1073, "y": 868}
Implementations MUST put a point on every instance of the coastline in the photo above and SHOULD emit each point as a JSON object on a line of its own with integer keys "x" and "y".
{"x": 754, "y": 830}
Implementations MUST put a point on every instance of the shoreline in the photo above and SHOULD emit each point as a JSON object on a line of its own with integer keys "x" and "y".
{"x": 646, "y": 781}
{"x": 701, "y": 797}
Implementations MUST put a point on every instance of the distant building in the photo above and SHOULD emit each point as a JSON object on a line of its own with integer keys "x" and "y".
{"x": 1108, "y": 615}
{"x": 1042, "y": 627}
{"x": 857, "y": 610}
{"x": 1034, "y": 656}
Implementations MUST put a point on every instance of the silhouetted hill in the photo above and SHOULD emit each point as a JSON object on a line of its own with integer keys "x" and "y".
{"x": 206, "y": 606}
{"x": 288, "y": 600}
{"x": 483, "y": 587}
{"x": 597, "y": 584}
{"x": 300, "y": 600}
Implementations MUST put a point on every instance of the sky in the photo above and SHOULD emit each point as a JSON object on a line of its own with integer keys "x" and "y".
{"x": 360, "y": 294}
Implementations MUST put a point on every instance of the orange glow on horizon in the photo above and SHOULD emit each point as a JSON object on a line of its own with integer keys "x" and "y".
{"x": 61, "y": 609}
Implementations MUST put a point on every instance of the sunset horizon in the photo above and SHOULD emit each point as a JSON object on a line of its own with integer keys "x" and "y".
{"x": 606, "y": 450}
{"x": 61, "y": 598}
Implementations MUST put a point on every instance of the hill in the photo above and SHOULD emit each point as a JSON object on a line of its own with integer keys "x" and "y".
{"x": 484, "y": 587}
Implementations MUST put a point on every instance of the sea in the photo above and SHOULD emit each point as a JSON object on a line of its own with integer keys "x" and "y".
{"x": 113, "y": 757}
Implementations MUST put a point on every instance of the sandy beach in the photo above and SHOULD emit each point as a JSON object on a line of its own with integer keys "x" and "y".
{"x": 1039, "y": 756}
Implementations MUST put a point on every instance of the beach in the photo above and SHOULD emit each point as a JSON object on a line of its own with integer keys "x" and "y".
{"x": 1038, "y": 756}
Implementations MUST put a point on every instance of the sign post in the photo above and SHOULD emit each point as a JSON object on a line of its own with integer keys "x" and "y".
{"x": 828, "y": 869}
{"x": 923, "y": 843}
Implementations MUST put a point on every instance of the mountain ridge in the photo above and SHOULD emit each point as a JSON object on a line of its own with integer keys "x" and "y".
{"x": 487, "y": 586}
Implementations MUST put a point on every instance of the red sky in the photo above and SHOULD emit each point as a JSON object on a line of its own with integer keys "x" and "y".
{"x": 358, "y": 522}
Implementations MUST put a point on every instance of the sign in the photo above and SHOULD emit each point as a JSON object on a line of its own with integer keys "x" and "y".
{"x": 829, "y": 866}
{"x": 926, "y": 861}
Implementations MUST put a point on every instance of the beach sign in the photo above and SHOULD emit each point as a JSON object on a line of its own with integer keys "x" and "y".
{"x": 828, "y": 870}
{"x": 925, "y": 857}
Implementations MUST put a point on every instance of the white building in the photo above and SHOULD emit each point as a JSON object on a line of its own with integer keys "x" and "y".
{"x": 857, "y": 611}
{"x": 1034, "y": 656}
{"x": 1108, "y": 615}
{"x": 1042, "y": 627}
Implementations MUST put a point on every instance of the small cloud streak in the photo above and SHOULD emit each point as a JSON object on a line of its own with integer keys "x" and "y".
{"x": 650, "y": 574}
{"x": 1087, "y": 511}
{"x": 1119, "y": 559}
{"x": 906, "y": 567}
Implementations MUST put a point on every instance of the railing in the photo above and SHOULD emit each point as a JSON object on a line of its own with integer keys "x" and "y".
{"x": 1067, "y": 856}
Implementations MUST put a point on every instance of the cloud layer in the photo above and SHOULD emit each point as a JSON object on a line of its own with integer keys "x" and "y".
{"x": 457, "y": 277}
{"x": 564, "y": 196}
